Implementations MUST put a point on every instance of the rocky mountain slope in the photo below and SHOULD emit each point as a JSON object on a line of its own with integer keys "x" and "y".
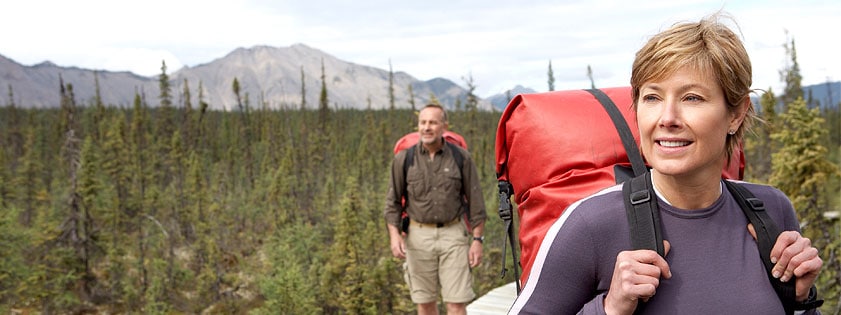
{"x": 268, "y": 76}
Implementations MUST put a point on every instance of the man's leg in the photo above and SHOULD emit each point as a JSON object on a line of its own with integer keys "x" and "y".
{"x": 422, "y": 268}
{"x": 454, "y": 271}
{"x": 429, "y": 308}
{"x": 456, "y": 309}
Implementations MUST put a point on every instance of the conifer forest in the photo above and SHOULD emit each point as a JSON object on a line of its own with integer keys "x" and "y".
{"x": 167, "y": 207}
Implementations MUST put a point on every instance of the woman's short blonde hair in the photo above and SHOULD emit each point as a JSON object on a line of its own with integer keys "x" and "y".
{"x": 709, "y": 46}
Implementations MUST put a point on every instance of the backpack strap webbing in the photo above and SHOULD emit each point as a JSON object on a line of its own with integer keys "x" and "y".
{"x": 643, "y": 214}
{"x": 766, "y": 236}
{"x": 625, "y": 133}
{"x": 507, "y": 215}
{"x": 644, "y": 222}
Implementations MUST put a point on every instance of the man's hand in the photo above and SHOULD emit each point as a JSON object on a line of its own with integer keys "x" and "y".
{"x": 793, "y": 255}
{"x": 398, "y": 245}
{"x": 636, "y": 276}
{"x": 475, "y": 254}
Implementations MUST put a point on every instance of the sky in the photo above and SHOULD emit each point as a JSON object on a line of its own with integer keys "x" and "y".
{"x": 497, "y": 43}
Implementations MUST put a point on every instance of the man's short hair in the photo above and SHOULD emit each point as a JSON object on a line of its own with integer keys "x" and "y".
{"x": 438, "y": 106}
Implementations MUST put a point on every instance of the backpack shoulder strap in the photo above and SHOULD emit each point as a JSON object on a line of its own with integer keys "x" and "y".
{"x": 643, "y": 214}
{"x": 408, "y": 160}
{"x": 624, "y": 131}
{"x": 766, "y": 236}
{"x": 457, "y": 156}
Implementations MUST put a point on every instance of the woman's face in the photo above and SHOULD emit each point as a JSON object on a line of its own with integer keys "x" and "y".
{"x": 683, "y": 121}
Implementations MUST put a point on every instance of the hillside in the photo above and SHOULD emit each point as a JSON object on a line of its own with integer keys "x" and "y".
{"x": 267, "y": 75}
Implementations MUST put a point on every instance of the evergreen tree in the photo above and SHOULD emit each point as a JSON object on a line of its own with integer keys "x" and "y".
{"x": 166, "y": 120}
{"x": 14, "y": 267}
{"x": 323, "y": 103}
{"x": 791, "y": 76}
{"x": 200, "y": 140}
{"x": 801, "y": 170}
{"x": 346, "y": 257}
{"x": 759, "y": 145}
{"x": 303, "y": 90}
{"x": 187, "y": 128}
{"x": 590, "y": 76}
{"x": 472, "y": 107}
{"x": 411, "y": 97}
{"x": 390, "y": 86}
{"x": 99, "y": 109}
{"x": 551, "y": 77}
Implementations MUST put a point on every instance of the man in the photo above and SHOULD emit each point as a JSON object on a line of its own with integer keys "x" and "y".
{"x": 439, "y": 250}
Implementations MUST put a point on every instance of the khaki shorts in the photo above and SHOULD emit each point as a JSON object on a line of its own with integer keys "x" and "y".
{"x": 437, "y": 258}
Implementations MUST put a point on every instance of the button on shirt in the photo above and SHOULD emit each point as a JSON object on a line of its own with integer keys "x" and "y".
{"x": 434, "y": 188}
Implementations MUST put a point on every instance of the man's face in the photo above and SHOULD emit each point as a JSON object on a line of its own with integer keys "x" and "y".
{"x": 431, "y": 125}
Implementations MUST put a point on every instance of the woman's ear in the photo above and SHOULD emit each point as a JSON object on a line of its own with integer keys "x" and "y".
{"x": 738, "y": 115}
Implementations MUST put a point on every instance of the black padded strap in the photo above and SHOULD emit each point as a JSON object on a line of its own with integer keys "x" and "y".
{"x": 766, "y": 236}
{"x": 507, "y": 215}
{"x": 643, "y": 214}
{"x": 407, "y": 162}
{"x": 624, "y": 131}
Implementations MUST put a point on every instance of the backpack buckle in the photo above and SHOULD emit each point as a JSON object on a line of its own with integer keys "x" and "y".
{"x": 639, "y": 197}
{"x": 755, "y": 204}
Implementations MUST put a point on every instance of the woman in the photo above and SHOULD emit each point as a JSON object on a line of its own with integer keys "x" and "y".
{"x": 691, "y": 86}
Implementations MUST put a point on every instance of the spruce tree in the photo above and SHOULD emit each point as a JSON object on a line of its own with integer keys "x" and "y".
{"x": 551, "y": 75}
{"x": 323, "y": 102}
{"x": 801, "y": 170}
{"x": 390, "y": 86}
{"x": 791, "y": 76}
{"x": 411, "y": 97}
{"x": 303, "y": 90}
{"x": 759, "y": 145}
{"x": 166, "y": 113}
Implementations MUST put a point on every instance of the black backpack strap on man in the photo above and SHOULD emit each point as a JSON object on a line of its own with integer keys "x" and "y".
{"x": 409, "y": 160}
{"x": 644, "y": 220}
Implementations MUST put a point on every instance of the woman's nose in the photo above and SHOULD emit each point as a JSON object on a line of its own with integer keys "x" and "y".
{"x": 669, "y": 114}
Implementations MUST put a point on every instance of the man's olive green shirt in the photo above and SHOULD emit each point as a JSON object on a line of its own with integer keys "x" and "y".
{"x": 434, "y": 188}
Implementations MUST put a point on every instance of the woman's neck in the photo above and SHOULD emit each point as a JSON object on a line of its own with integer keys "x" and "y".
{"x": 687, "y": 194}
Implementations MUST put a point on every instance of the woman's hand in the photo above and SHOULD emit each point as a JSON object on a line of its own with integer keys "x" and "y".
{"x": 636, "y": 276}
{"x": 793, "y": 255}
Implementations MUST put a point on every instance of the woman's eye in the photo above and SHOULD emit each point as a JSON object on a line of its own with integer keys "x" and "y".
{"x": 692, "y": 98}
{"x": 649, "y": 98}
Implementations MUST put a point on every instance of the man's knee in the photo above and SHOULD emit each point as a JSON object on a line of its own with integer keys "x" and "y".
{"x": 428, "y": 308}
{"x": 456, "y": 308}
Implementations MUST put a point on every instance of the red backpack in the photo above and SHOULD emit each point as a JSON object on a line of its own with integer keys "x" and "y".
{"x": 557, "y": 147}
{"x": 411, "y": 139}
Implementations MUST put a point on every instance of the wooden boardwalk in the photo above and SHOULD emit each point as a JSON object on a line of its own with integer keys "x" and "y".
{"x": 497, "y": 301}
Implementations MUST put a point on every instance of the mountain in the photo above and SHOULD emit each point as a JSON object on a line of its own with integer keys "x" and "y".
{"x": 38, "y": 85}
{"x": 266, "y": 75}
{"x": 825, "y": 94}
{"x": 499, "y": 101}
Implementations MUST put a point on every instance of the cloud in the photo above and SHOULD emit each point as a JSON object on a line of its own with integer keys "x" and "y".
{"x": 499, "y": 43}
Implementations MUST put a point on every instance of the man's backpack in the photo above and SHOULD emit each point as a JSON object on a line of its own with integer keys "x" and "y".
{"x": 558, "y": 147}
{"x": 408, "y": 142}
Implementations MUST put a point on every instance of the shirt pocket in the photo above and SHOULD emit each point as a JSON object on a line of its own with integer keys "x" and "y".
{"x": 451, "y": 180}
{"x": 414, "y": 183}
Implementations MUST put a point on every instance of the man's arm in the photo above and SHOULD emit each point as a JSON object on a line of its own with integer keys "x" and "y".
{"x": 398, "y": 245}
{"x": 475, "y": 254}
{"x": 393, "y": 200}
{"x": 394, "y": 208}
